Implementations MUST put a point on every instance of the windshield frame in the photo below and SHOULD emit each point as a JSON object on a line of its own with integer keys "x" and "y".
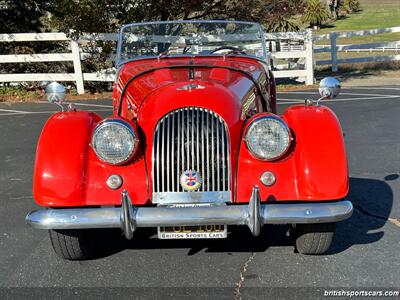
{"x": 119, "y": 62}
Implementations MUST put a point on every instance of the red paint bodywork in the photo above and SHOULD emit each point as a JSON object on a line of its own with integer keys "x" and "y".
{"x": 68, "y": 173}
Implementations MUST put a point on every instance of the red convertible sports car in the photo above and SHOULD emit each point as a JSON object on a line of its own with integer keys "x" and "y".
{"x": 194, "y": 146}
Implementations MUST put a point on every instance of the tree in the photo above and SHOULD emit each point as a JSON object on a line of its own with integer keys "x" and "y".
{"x": 108, "y": 15}
{"x": 21, "y": 16}
{"x": 352, "y": 6}
{"x": 94, "y": 16}
{"x": 315, "y": 13}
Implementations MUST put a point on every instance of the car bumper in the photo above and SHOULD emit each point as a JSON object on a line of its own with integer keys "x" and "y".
{"x": 128, "y": 218}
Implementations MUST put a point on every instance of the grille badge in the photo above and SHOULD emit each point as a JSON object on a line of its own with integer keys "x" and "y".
{"x": 190, "y": 180}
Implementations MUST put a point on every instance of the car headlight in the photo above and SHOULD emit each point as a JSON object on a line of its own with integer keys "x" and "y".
{"x": 114, "y": 141}
{"x": 268, "y": 138}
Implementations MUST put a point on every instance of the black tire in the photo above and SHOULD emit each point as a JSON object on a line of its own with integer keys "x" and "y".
{"x": 314, "y": 239}
{"x": 71, "y": 244}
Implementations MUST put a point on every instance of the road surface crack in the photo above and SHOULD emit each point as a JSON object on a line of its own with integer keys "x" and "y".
{"x": 243, "y": 270}
{"x": 394, "y": 221}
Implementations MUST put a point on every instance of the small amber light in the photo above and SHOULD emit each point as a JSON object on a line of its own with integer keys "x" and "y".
{"x": 268, "y": 178}
{"x": 114, "y": 182}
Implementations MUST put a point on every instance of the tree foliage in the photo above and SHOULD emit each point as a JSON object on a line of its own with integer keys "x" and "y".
{"x": 352, "y": 6}
{"x": 21, "y": 16}
{"x": 92, "y": 16}
{"x": 108, "y": 15}
{"x": 315, "y": 13}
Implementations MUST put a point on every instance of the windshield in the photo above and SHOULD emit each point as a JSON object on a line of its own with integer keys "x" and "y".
{"x": 198, "y": 38}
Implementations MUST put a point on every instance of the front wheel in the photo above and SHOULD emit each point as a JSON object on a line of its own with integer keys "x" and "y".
{"x": 71, "y": 244}
{"x": 314, "y": 239}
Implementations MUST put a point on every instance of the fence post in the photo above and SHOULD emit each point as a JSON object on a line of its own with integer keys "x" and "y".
{"x": 333, "y": 52}
{"x": 77, "y": 67}
{"x": 309, "y": 43}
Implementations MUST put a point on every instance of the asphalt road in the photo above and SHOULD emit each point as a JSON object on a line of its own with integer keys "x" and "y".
{"x": 365, "y": 252}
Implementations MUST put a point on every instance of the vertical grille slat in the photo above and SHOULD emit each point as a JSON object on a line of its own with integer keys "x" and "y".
{"x": 178, "y": 164}
{"x": 187, "y": 138}
{"x": 168, "y": 126}
{"x": 172, "y": 153}
{"x": 218, "y": 158}
{"x": 162, "y": 178}
{"x": 182, "y": 139}
{"x": 207, "y": 182}
{"x": 191, "y": 138}
{"x": 156, "y": 162}
{"x": 197, "y": 142}
{"x": 212, "y": 155}
{"x": 202, "y": 149}
{"x": 223, "y": 160}
{"x": 193, "y": 167}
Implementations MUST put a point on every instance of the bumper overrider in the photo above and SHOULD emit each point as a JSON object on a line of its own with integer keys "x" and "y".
{"x": 128, "y": 217}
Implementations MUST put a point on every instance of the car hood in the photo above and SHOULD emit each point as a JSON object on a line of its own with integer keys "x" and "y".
{"x": 175, "y": 82}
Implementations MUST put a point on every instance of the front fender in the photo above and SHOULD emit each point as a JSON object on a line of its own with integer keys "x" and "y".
{"x": 68, "y": 173}
{"x": 61, "y": 157}
{"x": 314, "y": 170}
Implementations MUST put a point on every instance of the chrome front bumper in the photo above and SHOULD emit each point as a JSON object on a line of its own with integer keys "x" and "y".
{"x": 128, "y": 218}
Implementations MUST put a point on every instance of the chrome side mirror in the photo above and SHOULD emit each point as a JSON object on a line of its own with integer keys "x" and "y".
{"x": 329, "y": 88}
{"x": 55, "y": 93}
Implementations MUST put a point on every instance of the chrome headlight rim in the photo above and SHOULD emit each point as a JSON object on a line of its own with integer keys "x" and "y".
{"x": 125, "y": 125}
{"x": 254, "y": 122}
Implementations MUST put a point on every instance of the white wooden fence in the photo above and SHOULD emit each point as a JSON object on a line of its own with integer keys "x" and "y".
{"x": 333, "y": 49}
{"x": 299, "y": 55}
{"x": 75, "y": 55}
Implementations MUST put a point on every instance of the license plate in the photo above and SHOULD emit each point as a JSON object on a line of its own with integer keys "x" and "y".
{"x": 193, "y": 232}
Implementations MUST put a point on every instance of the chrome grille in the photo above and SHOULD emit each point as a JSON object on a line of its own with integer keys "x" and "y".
{"x": 191, "y": 139}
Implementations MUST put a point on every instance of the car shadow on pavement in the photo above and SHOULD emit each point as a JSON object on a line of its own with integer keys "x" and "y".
{"x": 372, "y": 199}
{"x": 239, "y": 240}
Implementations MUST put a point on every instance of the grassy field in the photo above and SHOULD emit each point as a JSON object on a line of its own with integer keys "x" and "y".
{"x": 374, "y": 14}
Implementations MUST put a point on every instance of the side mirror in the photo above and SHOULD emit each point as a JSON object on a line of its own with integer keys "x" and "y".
{"x": 329, "y": 88}
{"x": 55, "y": 93}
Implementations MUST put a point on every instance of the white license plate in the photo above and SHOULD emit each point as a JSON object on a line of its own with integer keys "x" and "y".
{"x": 193, "y": 232}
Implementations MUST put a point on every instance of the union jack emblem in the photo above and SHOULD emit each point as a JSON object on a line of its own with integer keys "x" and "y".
{"x": 190, "y": 180}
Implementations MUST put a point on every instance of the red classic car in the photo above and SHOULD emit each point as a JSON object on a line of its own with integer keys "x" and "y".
{"x": 194, "y": 146}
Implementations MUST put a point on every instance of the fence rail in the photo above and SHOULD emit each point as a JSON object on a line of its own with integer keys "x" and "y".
{"x": 333, "y": 49}
{"x": 298, "y": 59}
{"x": 73, "y": 56}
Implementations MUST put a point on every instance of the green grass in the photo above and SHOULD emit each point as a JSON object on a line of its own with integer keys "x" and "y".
{"x": 374, "y": 14}
{"x": 19, "y": 93}
{"x": 33, "y": 94}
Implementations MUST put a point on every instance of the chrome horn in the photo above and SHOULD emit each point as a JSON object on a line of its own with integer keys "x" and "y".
{"x": 329, "y": 88}
{"x": 55, "y": 93}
